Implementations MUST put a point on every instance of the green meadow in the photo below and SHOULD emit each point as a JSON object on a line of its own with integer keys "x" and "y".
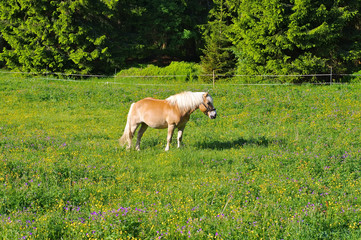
{"x": 278, "y": 162}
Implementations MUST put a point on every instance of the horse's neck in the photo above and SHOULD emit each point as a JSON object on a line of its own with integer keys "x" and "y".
{"x": 190, "y": 111}
{"x": 193, "y": 110}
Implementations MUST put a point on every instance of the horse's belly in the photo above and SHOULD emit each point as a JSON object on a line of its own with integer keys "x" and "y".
{"x": 156, "y": 124}
{"x": 160, "y": 127}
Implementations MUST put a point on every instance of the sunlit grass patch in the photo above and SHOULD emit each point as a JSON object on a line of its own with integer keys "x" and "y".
{"x": 278, "y": 162}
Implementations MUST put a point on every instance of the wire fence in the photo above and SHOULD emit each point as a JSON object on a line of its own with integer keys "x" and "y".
{"x": 215, "y": 79}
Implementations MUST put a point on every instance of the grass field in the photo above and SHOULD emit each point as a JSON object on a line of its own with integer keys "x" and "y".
{"x": 279, "y": 162}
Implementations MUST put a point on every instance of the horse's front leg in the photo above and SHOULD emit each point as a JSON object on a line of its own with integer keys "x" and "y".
{"x": 180, "y": 136}
{"x": 170, "y": 135}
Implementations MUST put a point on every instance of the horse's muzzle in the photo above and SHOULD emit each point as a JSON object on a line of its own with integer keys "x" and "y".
{"x": 212, "y": 115}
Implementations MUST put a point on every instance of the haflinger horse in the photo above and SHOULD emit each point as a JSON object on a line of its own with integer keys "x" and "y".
{"x": 173, "y": 112}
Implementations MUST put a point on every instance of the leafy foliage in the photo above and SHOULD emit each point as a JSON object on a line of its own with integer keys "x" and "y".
{"x": 62, "y": 36}
{"x": 300, "y": 37}
{"x": 246, "y": 37}
{"x": 169, "y": 27}
{"x": 95, "y": 36}
{"x": 176, "y": 71}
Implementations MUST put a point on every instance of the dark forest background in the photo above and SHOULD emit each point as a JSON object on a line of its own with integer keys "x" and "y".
{"x": 226, "y": 36}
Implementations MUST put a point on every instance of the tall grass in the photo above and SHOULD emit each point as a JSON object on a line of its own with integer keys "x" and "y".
{"x": 279, "y": 162}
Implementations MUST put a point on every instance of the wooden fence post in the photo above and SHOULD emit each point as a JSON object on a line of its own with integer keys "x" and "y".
{"x": 213, "y": 78}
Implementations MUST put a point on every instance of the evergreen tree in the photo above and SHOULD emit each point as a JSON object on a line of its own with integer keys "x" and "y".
{"x": 3, "y": 45}
{"x": 168, "y": 28}
{"x": 218, "y": 56}
{"x": 296, "y": 37}
{"x": 65, "y": 36}
{"x": 328, "y": 31}
{"x": 96, "y": 36}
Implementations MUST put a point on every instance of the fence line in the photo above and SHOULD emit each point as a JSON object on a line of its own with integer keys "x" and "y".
{"x": 120, "y": 83}
{"x": 177, "y": 76}
{"x": 167, "y": 76}
{"x": 185, "y": 75}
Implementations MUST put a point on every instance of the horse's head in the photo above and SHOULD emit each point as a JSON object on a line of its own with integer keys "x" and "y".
{"x": 207, "y": 106}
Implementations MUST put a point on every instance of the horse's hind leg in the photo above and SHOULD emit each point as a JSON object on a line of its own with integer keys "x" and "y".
{"x": 141, "y": 131}
{"x": 133, "y": 128}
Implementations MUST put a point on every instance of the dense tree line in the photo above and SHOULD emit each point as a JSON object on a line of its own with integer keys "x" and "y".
{"x": 98, "y": 36}
{"x": 286, "y": 36}
{"x": 229, "y": 36}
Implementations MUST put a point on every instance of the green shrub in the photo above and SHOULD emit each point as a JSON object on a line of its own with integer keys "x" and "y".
{"x": 354, "y": 78}
{"x": 180, "y": 71}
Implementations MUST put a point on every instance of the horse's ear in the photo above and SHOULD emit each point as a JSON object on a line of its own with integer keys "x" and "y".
{"x": 205, "y": 96}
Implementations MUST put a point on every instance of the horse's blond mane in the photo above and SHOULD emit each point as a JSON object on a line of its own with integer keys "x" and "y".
{"x": 186, "y": 100}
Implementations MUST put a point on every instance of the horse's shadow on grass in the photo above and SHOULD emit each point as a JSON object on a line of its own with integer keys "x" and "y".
{"x": 237, "y": 143}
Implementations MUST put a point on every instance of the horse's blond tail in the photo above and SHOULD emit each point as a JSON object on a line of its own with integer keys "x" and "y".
{"x": 127, "y": 135}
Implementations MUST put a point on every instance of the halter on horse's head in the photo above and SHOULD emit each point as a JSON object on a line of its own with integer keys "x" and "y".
{"x": 207, "y": 106}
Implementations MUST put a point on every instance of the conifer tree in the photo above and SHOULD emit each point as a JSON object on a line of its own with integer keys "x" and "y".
{"x": 65, "y": 36}
{"x": 218, "y": 55}
{"x": 296, "y": 37}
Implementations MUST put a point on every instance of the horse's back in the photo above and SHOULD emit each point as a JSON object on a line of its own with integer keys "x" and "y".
{"x": 151, "y": 104}
{"x": 153, "y": 112}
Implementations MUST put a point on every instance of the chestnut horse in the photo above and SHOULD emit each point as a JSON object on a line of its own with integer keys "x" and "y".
{"x": 171, "y": 113}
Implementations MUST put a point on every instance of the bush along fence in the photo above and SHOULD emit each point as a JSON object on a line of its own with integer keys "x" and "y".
{"x": 191, "y": 75}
